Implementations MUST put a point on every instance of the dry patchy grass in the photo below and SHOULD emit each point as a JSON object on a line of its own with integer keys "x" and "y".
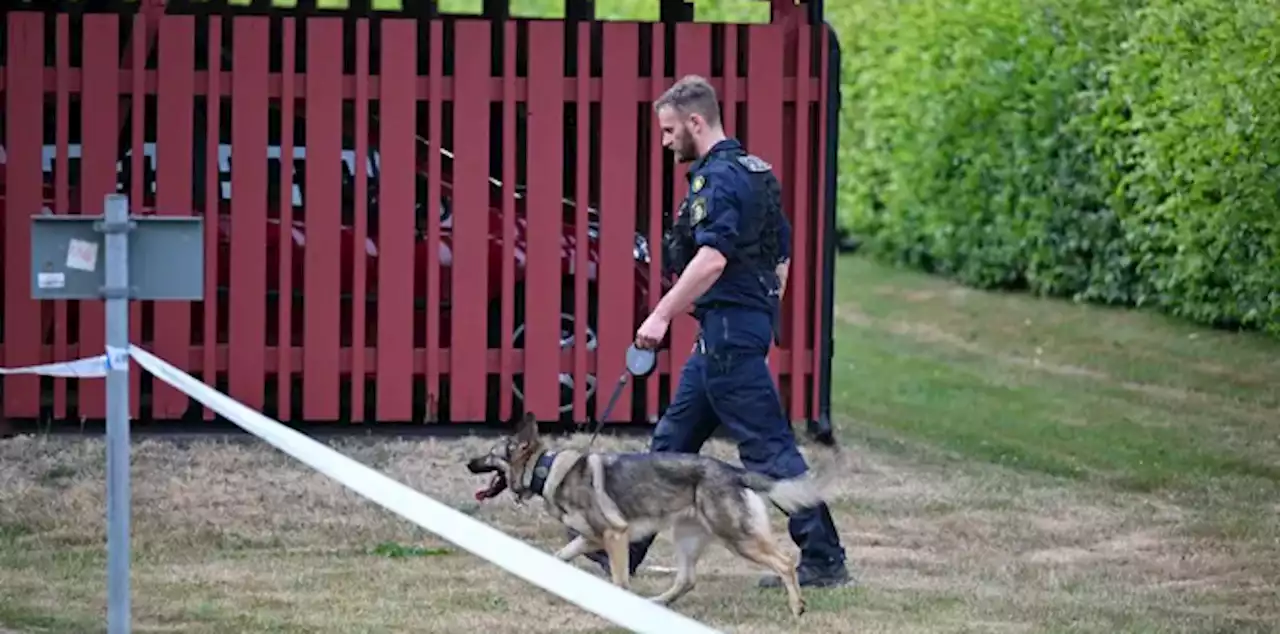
{"x": 235, "y": 536}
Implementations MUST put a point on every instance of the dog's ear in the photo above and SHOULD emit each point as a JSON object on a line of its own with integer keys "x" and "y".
{"x": 527, "y": 430}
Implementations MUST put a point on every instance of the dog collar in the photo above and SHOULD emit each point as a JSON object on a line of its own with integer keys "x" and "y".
{"x": 541, "y": 469}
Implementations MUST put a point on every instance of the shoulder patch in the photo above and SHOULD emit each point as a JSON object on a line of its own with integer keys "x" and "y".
{"x": 699, "y": 210}
{"x": 699, "y": 182}
{"x": 754, "y": 163}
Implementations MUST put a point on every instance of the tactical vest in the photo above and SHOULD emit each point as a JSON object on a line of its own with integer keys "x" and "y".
{"x": 761, "y": 255}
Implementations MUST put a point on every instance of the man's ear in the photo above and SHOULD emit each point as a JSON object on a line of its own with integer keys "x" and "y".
{"x": 527, "y": 430}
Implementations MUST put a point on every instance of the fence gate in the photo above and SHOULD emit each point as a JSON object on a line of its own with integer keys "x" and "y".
{"x": 420, "y": 217}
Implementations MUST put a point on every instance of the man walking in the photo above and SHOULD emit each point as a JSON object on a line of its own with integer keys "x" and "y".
{"x": 730, "y": 249}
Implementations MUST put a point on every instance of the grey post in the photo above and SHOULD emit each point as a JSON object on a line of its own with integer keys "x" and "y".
{"x": 145, "y": 258}
{"x": 116, "y": 292}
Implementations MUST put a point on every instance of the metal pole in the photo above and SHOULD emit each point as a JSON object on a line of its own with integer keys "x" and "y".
{"x": 116, "y": 294}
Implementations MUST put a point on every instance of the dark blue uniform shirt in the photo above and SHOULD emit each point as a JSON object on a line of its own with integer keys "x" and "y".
{"x": 725, "y": 217}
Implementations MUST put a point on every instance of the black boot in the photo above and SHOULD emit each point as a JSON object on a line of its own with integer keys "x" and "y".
{"x": 814, "y": 576}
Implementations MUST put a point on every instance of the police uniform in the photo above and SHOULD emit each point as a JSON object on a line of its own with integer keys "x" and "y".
{"x": 734, "y": 206}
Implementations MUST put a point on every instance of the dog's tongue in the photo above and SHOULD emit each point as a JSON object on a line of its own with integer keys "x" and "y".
{"x": 487, "y": 492}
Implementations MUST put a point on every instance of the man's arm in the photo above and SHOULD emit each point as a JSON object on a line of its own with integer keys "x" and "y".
{"x": 782, "y": 269}
{"x": 702, "y": 272}
{"x": 784, "y": 257}
{"x": 715, "y": 234}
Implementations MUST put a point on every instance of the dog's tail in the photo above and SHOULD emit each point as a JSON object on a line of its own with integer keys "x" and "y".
{"x": 801, "y": 492}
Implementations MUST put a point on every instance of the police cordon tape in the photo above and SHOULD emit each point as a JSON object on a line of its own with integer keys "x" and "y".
{"x": 86, "y": 368}
{"x": 540, "y": 568}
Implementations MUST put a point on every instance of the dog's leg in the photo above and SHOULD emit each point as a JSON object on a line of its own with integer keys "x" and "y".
{"x": 762, "y": 549}
{"x": 605, "y": 503}
{"x": 759, "y": 546}
{"x": 615, "y": 545}
{"x": 690, "y": 539}
{"x": 579, "y": 546}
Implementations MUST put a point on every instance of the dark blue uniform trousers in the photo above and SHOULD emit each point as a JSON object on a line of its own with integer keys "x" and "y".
{"x": 727, "y": 381}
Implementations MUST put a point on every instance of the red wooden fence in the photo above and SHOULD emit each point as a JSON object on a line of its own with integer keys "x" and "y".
{"x": 444, "y": 188}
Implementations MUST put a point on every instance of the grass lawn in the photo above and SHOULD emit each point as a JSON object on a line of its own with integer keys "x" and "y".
{"x": 1018, "y": 465}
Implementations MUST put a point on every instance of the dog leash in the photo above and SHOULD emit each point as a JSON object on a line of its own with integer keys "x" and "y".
{"x": 641, "y": 363}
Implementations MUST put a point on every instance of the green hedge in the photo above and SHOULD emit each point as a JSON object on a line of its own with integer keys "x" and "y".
{"x": 1123, "y": 151}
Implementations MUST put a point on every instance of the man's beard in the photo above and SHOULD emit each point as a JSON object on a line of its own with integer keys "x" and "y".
{"x": 687, "y": 153}
{"x": 686, "y": 149}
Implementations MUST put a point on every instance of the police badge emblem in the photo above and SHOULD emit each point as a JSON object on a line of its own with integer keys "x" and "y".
{"x": 699, "y": 210}
{"x": 698, "y": 183}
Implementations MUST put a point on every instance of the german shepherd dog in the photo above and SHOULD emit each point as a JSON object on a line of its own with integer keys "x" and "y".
{"x": 612, "y": 499}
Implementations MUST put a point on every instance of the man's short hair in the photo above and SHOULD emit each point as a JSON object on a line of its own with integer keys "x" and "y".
{"x": 692, "y": 94}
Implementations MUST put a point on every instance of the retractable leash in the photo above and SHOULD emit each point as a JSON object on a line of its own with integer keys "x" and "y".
{"x": 640, "y": 363}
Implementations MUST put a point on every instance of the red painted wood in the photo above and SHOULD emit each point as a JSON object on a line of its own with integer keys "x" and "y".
{"x": 581, "y": 283}
{"x": 286, "y": 332}
{"x": 470, "y": 222}
{"x": 62, "y": 191}
{"x": 212, "y": 202}
{"x": 24, "y": 122}
{"x": 729, "y": 95}
{"x": 323, "y": 218}
{"x": 657, "y": 210}
{"x": 568, "y": 86}
{"x": 507, "y": 324}
{"x": 693, "y": 56}
{"x": 396, "y": 272}
{"x": 796, "y": 299}
{"x": 174, "y": 133}
{"x": 360, "y": 260}
{"x": 764, "y": 117}
{"x": 819, "y": 225}
{"x": 247, "y": 294}
{"x": 618, "y": 196}
{"x": 100, "y": 131}
{"x": 140, "y": 44}
{"x": 542, "y": 269}
{"x": 435, "y": 120}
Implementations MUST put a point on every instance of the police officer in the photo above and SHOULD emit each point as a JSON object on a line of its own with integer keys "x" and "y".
{"x": 730, "y": 249}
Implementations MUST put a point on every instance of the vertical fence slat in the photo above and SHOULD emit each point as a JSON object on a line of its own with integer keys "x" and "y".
{"x": 287, "y": 264}
{"x": 24, "y": 93}
{"x": 248, "y": 292}
{"x": 618, "y": 206}
{"x": 434, "y": 314}
{"x": 359, "y": 255}
{"x": 797, "y": 294}
{"x": 396, "y": 270}
{"x": 470, "y": 268}
{"x": 693, "y": 56}
{"x": 323, "y": 218}
{"x": 138, "y": 177}
{"x": 729, "y": 96}
{"x": 820, "y": 221}
{"x": 174, "y": 129}
{"x": 545, "y": 223}
{"x": 582, "y": 250}
{"x": 100, "y": 100}
{"x": 506, "y": 325}
{"x": 658, "y": 210}
{"x": 764, "y": 117}
{"x": 212, "y": 205}
{"x": 62, "y": 192}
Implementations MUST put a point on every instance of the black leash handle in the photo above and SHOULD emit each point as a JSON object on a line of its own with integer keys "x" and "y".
{"x": 639, "y": 363}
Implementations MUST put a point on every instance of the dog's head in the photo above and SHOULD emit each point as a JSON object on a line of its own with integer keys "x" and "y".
{"x": 509, "y": 459}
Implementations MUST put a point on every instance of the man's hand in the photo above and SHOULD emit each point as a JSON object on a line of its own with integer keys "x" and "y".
{"x": 781, "y": 270}
{"x": 652, "y": 331}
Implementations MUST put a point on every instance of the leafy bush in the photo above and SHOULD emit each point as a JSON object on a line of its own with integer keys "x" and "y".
{"x": 1124, "y": 152}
